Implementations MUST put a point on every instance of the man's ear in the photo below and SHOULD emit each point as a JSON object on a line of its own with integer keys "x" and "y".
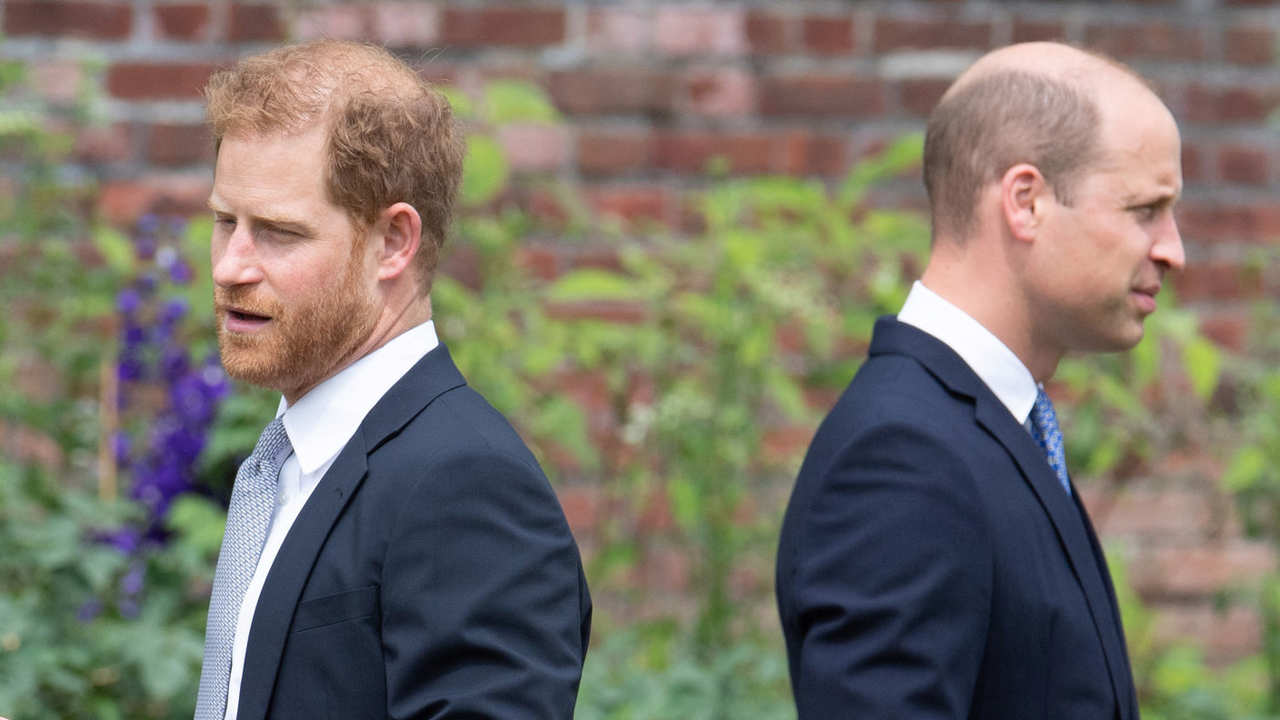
{"x": 1023, "y": 197}
{"x": 399, "y": 228}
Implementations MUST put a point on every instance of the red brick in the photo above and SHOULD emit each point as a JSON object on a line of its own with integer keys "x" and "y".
{"x": 1149, "y": 513}
{"x": 1201, "y": 570}
{"x": 766, "y": 33}
{"x": 406, "y": 24}
{"x": 539, "y": 259}
{"x": 101, "y": 21}
{"x": 600, "y": 92}
{"x": 632, "y": 203}
{"x": 1194, "y": 165}
{"x": 534, "y": 147}
{"x": 1231, "y": 330}
{"x": 340, "y": 22}
{"x": 156, "y": 81}
{"x": 1150, "y": 39}
{"x": 614, "y": 152}
{"x": 895, "y": 34}
{"x": 691, "y": 152}
{"x": 180, "y": 145}
{"x": 582, "y": 507}
{"x": 665, "y": 570}
{"x": 512, "y": 26}
{"x": 784, "y": 446}
{"x": 186, "y": 21}
{"x": 918, "y": 97}
{"x": 613, "y": 30}
{"x": 1250, "y": 45}
{"x": 1225, "y": 635}
{"x": 1232, "y": 104}
{"x": 828, "y": 35}
{"x": 1217, "y": 222}
{"x": 1025, "y": 30}
{"x": 122, "y": 202}
{"x": 683, "y": 30}
{"x": 110, "y": 143}
{"x": 255, "y": 23}
{"x": 1218, "y": 281}
{"x": 808, "y": 154}
{"x": 1244, "y": 165}
{"x": 835, "y": 96}
{"x": 620, "y": 312}
{"x": 723, "y": 92}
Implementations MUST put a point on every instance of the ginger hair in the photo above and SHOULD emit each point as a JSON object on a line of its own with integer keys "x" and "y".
{"x": 391, "y": 136}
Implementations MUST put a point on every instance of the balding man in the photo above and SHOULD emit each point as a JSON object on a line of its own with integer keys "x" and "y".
{"x": 936, "y": 561}
{"x": 392, "y": 549}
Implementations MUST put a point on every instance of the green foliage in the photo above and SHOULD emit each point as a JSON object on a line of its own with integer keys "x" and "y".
{"x": 651, "y": 672}
{"x": 72, "y": 643}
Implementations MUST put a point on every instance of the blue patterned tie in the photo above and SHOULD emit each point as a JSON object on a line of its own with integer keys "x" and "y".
{"x": 1044, "y": 428}
{"x": 253, "y": 498}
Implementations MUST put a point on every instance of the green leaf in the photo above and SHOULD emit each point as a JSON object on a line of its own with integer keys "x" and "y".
{"x": 116, "y": 249}
{"x": 199, "y": 521}
{"x": 463, "y": 108}
{"x": 593, "y": 284}
{"x": 1204, "y": 366}
{"x": 1247, "y": 467}
{"x": 484, "y": 171}
{"x": 514, "y": 101}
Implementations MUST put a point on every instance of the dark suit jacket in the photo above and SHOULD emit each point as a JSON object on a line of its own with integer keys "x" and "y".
{"x": 931, "y": 566}
{"x": 431, "y": 574}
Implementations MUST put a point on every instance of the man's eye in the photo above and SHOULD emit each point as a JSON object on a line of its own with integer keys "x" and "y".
{"x": 1146, "y": 213}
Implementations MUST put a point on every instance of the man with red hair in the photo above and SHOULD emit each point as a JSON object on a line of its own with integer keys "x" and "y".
{"x": 392, "y": 548}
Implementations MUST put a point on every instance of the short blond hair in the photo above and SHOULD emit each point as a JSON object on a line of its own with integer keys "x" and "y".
{"x": 391, "y": 137}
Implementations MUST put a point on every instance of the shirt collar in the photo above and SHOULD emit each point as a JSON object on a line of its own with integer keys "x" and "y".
{"x": 321, "y": 422}
{"x": 982, "y": 351}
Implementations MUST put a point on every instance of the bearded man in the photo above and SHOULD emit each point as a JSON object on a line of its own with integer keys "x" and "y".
{"x": 392, "y": 548}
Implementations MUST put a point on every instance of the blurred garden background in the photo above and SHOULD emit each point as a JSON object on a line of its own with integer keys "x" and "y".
{"x": 679, "y": 222}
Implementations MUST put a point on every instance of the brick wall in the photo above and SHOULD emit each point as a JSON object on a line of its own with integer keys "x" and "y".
{"x": 652, "y": 91}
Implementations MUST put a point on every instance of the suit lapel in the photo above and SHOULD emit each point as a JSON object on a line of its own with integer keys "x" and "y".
{"x": 431, "y": 376}
{"x": 1069, "y": 520}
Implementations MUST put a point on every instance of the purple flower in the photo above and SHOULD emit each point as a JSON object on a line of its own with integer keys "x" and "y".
{"x": 91, "y": 609}
{"x": 180, "y": 272}
{"x": 128, "y": 301}
{"x": 130, "y": 368}
{"x": 120, "y": 446}
{"x": 134, "y": 336}
{"x": 146, "y": 284}
{"x": 126, "y": 540}
{"x": 173, "y": 311}
{"x": 174, "y": 363}
{"x": 148, "y": 224}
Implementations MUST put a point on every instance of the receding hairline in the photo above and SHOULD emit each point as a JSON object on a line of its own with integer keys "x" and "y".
{"x": 1086, "y": 70}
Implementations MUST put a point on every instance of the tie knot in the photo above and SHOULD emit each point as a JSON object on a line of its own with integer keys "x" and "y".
{"x": 272, "y": 443}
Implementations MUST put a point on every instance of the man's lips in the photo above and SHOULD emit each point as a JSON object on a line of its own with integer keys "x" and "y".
{"x": 243, "y": 320}
{"x": 1146, "y": 297}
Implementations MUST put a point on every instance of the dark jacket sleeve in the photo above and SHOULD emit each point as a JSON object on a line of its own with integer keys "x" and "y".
{"x": 891, "y": 586}
{"x": 484, "y": 608}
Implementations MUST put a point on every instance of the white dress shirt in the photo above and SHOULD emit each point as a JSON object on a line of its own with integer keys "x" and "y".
{"x": 319, "y": 426}
{"x": 982, "y": 351}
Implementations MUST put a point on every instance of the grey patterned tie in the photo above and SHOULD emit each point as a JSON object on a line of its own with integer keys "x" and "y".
{"x": 252, "y": 500}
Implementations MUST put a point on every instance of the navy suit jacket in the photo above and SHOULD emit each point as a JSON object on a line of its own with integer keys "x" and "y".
{"x": 431, "y": 574}
{"x": 931, "y": 565}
